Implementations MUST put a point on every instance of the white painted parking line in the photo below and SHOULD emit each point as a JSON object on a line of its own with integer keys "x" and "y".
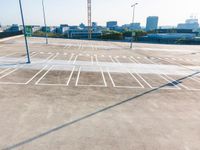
{"x": 71, "y": 57}
{"x": 134, "y": 60}
{"x": 124, "y": 80}
{"x": 117, "y": 60}
{"x": 12, "y": 69}
{"x": 75, "y": 59}
{"x": 8, "y": 73}
{"x": 36, "y": 74}
{"x": 130, "y": 74}
{"x": 96, "y": 58}
{"x": 169, "y": 82}
{"x": 188, "y": 83}
{"x": 49, "y": 78}
{"x": 92, "y": 60}
{"x": 50, "y": 58}
{"x": 38, "y": 81}
{"x": 18, "y": 70}
{"x": 91, "y": 79}
{"x": 77, "y": 79}
{"x": 14, "y": 77}
{"x": 157, "y": 80}
{"x": 4, "y": 70}
{"x": 112, "y": 59}
{"x": 179, "y": 64}
{"x": 70, "y": 77}
{"x": 104, "y": 80}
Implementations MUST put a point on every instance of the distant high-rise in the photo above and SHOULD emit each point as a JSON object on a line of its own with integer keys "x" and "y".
{"x": 152, "y": 23}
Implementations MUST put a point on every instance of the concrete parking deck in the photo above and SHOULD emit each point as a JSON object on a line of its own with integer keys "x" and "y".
{"x": 96, "y": 95}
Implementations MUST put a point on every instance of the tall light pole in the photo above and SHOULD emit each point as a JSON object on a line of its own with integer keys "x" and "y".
{"x": 89, "y": 7}
{"x": 133, "y": 21}
{"x": 25, "y": 36}
{"x": 45, "y": 23}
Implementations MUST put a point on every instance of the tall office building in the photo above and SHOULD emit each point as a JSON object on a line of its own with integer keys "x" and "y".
{"x": 152, "y": 23}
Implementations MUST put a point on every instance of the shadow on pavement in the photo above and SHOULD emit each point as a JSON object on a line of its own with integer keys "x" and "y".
{"x": 176, "y": 82}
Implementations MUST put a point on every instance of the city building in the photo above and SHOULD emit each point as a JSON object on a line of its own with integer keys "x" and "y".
{"x": 36, "y": 28}
{"x": 170, "y": 35}
{"x": 64, "y": 28}
{"x": 48, "y": 29}
{"x": 111, "y": 24}
{"x": 152, "y": 23}
{"x": 167, "y": 27}
{"x": 191, "y": 23}
{"x": 13, "y": 28}
{"x": 134, "y": 26}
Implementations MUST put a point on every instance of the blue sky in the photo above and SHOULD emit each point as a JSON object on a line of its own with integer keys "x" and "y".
{"x": 73, "y": 12}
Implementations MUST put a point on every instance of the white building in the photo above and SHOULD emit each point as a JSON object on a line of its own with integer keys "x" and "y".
{"x": 189, "y": 24}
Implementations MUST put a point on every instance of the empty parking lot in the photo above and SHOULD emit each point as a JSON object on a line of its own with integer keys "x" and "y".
{"x": 79, "y": 94}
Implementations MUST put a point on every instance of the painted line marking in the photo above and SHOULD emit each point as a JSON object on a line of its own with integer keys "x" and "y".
{"x": 78, "y": 78}
{"x": 70, "y": 59}
{"x": 131, "y": 87}
{"x": 72, "y": 72}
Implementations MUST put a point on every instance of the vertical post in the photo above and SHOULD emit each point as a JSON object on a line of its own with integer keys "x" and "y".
{"x": 133, "y": 20}
{"x": 45, "y": 23}
{"x": 89, "y": 5}
{"x": 25, "y": 36}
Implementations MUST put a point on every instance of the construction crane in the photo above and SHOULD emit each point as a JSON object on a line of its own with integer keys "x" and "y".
{"x": 89, "y": 6}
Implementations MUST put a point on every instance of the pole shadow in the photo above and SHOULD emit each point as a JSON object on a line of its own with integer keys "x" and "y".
{"x": 51, "y": 131}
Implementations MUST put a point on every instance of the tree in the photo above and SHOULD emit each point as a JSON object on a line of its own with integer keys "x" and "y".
{"x": 112, "y": 35}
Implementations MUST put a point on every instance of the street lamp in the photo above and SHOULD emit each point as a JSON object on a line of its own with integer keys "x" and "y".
{"x": 25, "y": 36}
{"x": 133, "y": 20}
{"x": 45, "y": 23}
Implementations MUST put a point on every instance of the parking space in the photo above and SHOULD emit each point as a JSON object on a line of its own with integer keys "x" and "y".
{"x": 72, "y": 86}
{"x": 157, "y": 80}
{"x": 60, "y": 75}
{"x": 142, "y": 60}
{"x": 93, "y": 78}
{"x": 85, "y": 57}
{"x": 44, "y": 56}
{"x": 124, "y": 59}
{"x": 105, "y": 58}
{"x": 124, "y": 80}
{"x": 186, "y": 82}
{"x": 18, "y": 76}
{"x": 56, "y": 76}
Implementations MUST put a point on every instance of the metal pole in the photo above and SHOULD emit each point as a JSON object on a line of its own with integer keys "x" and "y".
{"x": 89, "y": 7}
{"x": 25, "y": 36}
{"x": 45, "y": 23}
{"x": 133, "y": 20}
